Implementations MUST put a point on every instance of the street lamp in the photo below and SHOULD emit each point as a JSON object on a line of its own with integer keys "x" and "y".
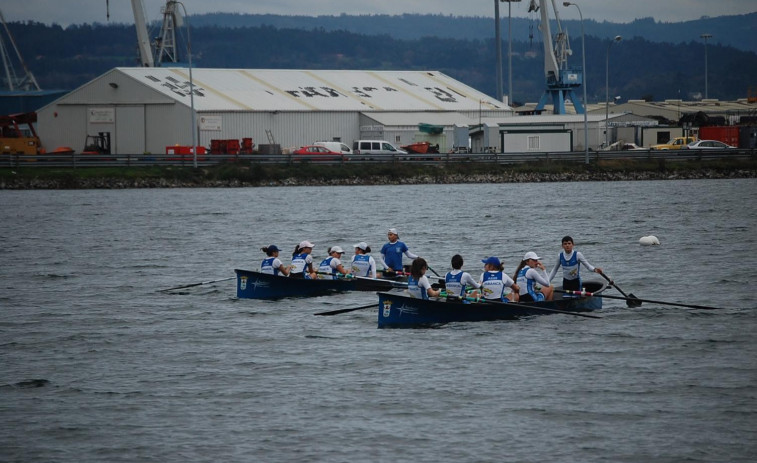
{"x": 705, "y": 37}
{"x": 191, "y": 87}
{"x": 510, "y": 50}
{"x": 583, "y": 84}
{"x": 498, "y": 39}
{"x": 607, "y": 87}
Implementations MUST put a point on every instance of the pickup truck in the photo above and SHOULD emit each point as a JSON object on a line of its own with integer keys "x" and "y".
{"x": 674, "y": 144}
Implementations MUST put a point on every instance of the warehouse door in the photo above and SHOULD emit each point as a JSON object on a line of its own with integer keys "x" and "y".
{"x": 130, "y": 130}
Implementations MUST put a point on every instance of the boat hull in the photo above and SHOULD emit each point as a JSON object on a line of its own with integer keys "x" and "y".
{"x": 256, "y": 285}
{"x": 398, "y": 310}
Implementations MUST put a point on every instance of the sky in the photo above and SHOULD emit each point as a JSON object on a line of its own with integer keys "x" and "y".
{"x": 67, "y": 12}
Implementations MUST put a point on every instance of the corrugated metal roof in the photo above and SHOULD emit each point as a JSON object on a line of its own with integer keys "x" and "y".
{"x": 410, "y": 118}
{"x": 314, "y": 90}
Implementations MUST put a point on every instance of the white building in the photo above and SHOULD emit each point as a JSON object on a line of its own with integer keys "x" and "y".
{"x": 146, "y": 110}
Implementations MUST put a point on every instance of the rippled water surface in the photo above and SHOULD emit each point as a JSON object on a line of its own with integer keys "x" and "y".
{"x": 99, "y": 365}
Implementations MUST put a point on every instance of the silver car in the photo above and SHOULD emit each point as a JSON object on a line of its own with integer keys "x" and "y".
{"x": 708, "y": 145}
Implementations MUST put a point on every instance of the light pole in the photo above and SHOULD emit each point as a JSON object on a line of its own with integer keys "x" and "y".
{"x": 607, "y": 88}
{"x": 498, "y": 39}
{"x": 583, "y": 84}
{"x": 191, "y": 88}
{"x": 705, "y": 37}
{"x": 510, "y": 50}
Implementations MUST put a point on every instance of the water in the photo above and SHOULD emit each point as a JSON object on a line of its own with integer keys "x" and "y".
{"x": 98, "y": 365}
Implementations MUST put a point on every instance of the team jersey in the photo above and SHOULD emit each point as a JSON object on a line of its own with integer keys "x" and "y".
{"x": 271, "y": 266}
{"x": 456, "y": 281}
{"x": 300, "y": 262}
{"x": 494, "y": 284}
{"x": 329, "y": 266}
{"x": 418, "y": 288}
{"x": 363, "y": 265}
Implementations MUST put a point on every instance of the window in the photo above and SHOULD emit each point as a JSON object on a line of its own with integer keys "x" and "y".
{"x": 533, "y": 142}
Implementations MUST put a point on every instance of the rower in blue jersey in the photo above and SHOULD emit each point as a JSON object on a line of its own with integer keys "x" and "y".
{"x": 494, "y": 281}
{"x": 302, "y": 261}
{"x": 571, "y": 261}
{"x": 532, "y": 279}
{"x": 392, "y": 252}
{"x": 456, "y": 282}
{"x": 272, "y": 265}
{"x": 363, "y": 264}
{"x": 331, "y": 267}
{"x": 418, "y": 285}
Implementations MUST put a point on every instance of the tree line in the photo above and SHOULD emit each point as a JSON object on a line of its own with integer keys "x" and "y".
{"x": 66, "y": 58}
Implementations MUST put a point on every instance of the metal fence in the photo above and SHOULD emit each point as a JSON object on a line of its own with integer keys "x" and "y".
{"x": 122, "y": 160}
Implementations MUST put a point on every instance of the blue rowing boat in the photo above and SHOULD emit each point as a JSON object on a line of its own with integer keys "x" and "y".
{"x": 398, "y": 310}
{"x": 256, "y": 285}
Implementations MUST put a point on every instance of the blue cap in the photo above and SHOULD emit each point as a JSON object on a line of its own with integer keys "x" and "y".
{"x": 492, "y": 261}
{"x": 273, "y": 248}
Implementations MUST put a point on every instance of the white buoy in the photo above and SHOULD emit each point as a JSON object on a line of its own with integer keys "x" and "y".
{"x": 650, "y": 240}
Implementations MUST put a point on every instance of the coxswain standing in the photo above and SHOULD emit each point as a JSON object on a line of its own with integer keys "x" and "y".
{"x": 391, "y": 253}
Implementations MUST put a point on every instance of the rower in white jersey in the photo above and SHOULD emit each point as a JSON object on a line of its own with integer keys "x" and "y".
{"x": 456, "y": 282}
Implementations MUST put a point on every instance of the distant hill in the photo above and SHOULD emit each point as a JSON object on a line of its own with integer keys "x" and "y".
{"x": 738, "y": 31}
{"x": 639, "y": 67}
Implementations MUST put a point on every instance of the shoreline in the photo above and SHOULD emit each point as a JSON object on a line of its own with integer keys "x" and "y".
{"x": 239, "y": 176}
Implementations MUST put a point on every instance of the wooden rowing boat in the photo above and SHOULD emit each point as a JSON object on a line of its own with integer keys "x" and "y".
{"x": 256, "y": 285}
{"x": 398, "y": 310}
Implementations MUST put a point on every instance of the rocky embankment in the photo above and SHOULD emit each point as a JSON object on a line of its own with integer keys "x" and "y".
{"x": 10, "y": 183}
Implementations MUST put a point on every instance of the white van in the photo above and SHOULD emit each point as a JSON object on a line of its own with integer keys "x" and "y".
{"x": 375, "y": 147}
{"x": 335, "y": 146}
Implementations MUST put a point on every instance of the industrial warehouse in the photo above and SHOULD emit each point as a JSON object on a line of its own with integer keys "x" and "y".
{"x": 147, "y": 110}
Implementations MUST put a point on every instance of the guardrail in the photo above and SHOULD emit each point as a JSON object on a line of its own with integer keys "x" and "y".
{"x": 131, "y": 160}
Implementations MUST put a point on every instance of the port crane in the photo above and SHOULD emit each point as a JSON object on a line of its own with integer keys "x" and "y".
{"x": 562, "y": 81}
{"x": 164, "y": 46}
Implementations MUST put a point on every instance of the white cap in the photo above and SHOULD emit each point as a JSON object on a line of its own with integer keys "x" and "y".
{"x": 362, "y": 245}
{"x": 336, "y": 249}
{"x": 393, "y": 231}
{"x": 306, "y": 244}
{"x": 531, "y": 255}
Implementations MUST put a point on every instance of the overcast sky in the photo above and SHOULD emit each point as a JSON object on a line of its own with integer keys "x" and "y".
{"x": 66, "y": 12}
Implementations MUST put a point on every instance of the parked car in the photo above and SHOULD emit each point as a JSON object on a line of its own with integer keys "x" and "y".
{"x": 709, "y": 145}
{"x": 375, "y": 147}
{"x": 675, "y": 144}
{"x": 318, "y": 153}
{"x": 623, "y": 146}
{"x": 336, "y": 146}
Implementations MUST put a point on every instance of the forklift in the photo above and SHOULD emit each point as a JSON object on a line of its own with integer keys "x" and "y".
{"x": 97, "y": 144}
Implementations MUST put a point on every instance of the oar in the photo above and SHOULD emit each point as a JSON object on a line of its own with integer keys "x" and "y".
{"x": 350, "y": 276}
{"x": 607, "y": 296}
{"x": 437, "y": 275}
{"x": 528, "y": 306}
{"x": 197, "y": 284}
{"x": 352, "y": 309}
{"x": 631, "y": 300}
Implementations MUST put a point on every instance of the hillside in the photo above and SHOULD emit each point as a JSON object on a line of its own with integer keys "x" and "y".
{"x": 639, "y": 67}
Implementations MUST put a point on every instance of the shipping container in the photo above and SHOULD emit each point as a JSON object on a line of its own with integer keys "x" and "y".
{"x": 727, "y": 134}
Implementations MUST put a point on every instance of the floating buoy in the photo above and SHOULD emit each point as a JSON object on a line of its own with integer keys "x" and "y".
{"x": 650, "y": 240}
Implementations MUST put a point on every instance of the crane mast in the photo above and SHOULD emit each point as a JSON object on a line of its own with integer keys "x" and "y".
{"x": 561, "y": 81}
{"x": 143, "y": 38}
